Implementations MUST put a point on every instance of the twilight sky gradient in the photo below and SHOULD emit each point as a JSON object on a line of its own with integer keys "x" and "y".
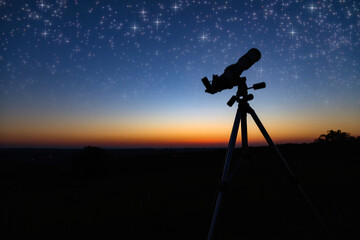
{"x": 128, "y": 73}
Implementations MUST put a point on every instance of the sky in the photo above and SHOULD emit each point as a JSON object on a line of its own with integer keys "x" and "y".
{"x": 128, "y": 73}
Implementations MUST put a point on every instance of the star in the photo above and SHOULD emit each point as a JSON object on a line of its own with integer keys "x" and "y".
{"x": 312, "y": 8}
{"x": 292, "y": 32}
{"x": 134, "y": 27}
{"x": 175, "y": 7}
{"x": 143, "y": 12}
{"x": 157, "y": 22}
{"x": 261, "y": 70}
{"x": 42, "y": 5}
{"x": 203, "y": 37}
{"x": 45, "y": 33}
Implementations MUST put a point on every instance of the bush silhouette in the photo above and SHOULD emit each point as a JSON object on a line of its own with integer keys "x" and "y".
{"x": 338, "y": 137}
{"x": 90, "y": 162}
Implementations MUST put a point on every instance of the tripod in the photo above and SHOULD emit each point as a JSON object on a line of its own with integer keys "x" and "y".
{"x": 242, "y": 97}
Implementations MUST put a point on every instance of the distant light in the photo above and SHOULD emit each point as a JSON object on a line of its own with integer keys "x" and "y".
{"x": 42, "y": 5}
{"x": 203, "y": 37}
{"x": 157, "y": 22}
{"x": 134, "y": 27}
{"x": 292, "y": 32}
{"x": 45, "y": 33}
{"x": 312, "y": 8}
{"x": 175, "y": 7}
{"x": 143, "y": 12}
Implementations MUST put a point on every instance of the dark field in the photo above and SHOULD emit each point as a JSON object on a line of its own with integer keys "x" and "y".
{"x": 169, "y": 194}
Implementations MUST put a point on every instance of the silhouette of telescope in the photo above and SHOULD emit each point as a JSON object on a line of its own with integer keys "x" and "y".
{"x": 231, "y": 76}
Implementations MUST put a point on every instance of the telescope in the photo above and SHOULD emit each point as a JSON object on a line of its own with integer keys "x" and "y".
{"x": 231, "y": 76}
{"x": 229, "y": 79}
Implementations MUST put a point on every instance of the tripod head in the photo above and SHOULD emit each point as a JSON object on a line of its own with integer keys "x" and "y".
{"x": 242, "y": 95}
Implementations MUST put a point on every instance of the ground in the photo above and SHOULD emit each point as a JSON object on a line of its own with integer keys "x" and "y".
{"x": 170, "y": 193}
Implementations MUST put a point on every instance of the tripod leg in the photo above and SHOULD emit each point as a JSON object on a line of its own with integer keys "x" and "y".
{"x": 224, "y": 177}
{"x": 268, "y": 139}
{"x": 271, "y": 143}
{"x": 244, "y": 144}
{"x": 244, "y": 135}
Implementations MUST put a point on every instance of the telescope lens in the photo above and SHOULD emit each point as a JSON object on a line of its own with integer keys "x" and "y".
{"x": 246, "y": 61}
{"x": 254, "y": 54}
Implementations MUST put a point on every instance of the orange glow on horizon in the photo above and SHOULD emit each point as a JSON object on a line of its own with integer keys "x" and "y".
{"x": 160, "y": 130}
{"x": 146, "y": 136}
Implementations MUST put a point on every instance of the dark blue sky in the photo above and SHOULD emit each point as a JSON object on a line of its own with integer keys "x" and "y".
{"x": 129, "y": 68}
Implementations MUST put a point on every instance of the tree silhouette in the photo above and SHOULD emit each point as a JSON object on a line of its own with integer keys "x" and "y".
{"x": 335, "y": 137}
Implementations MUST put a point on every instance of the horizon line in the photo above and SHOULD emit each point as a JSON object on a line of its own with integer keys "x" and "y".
{"x": 142, "y": 146}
